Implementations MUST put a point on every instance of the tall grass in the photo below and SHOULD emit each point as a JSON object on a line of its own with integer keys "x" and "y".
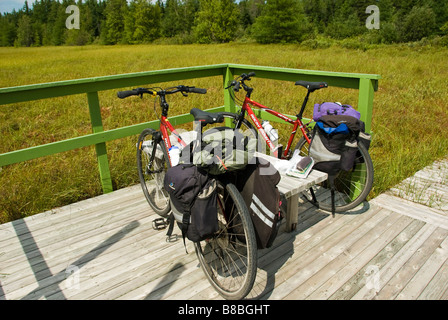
{"x": 409, "y": 116}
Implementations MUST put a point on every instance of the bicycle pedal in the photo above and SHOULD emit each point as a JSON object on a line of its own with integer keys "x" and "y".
{"x": 159, "y": 224}
{"x": 172, "y": 238}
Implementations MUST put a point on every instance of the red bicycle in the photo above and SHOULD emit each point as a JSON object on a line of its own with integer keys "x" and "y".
{"x": 153, "y": 156}
{"x": 351, "y": 187}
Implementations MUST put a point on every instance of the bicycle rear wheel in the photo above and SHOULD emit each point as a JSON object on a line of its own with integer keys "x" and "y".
{"x": 351, "y": 187}
{"x": 246, "y": 127}
{"x": 229, "y": 259}
{"x": 152, "y": 167}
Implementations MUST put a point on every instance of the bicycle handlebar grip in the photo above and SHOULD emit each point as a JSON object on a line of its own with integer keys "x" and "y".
{"x": 127, "y": 93}
{"x": 197, "y": 90}
{"x": 251, "y": 74}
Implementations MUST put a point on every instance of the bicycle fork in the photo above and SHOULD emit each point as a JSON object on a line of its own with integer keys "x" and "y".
{"x": 156, "y": 138}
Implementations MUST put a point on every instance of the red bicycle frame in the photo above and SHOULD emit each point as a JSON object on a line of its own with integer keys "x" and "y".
{"x": 296, "y": 124}
{"x": 165, "y": 125}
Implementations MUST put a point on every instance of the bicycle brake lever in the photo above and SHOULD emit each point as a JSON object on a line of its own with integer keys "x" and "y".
{"x": 232, "y": 84}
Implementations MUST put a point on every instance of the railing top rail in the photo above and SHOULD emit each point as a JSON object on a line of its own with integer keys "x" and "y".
{"x": 307, "y": 72}
{"x": 76, "y": 86}
{"x": 68, "y": 87}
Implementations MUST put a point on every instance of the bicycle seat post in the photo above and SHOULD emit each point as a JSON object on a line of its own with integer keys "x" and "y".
{"x": 305, "y": 101}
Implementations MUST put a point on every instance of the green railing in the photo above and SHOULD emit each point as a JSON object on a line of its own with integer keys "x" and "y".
{"x": 366, "y": 83}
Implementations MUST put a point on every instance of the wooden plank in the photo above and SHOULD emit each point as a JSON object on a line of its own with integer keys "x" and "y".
{"x": 88, "y": 207}
{"x": 396, "y": 262}
{"x": 62, "y": 227}
{"x": 326, "y": 271}
{"x": 358, "y": 257}
{"x": 437, "y": 286}
{"x": 320, "y": 249}
{"x": 411, "y": 209}
{"x": 415, "y": 287}
{"x": 349, "y": 283}
{"x": 74, "y": 253}
{"x": 400, "y": 279}
{"x": 320, "y": 269}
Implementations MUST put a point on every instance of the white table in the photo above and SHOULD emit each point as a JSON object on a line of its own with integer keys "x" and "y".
{"x": 291, "y": 188}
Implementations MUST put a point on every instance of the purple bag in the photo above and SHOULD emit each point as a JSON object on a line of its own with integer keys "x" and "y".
{"x": 334, "y": 108}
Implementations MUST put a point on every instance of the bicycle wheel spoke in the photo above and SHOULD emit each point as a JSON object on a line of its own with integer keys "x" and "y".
{"x": 229, "y": 257}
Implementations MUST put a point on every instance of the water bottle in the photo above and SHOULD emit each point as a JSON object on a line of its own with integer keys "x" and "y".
{"x": 174, "y": 155}
{"x": 270, "y": 131}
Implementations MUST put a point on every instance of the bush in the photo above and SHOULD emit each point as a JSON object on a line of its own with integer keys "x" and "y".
{"x": 419, "y": 23}
{"x": 282, "y": 21}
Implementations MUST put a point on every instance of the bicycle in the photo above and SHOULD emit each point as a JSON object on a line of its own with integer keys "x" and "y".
{"x": 153, "y": 158}
{"x": 229, "y": 257}
{"x": 351, "y": 188}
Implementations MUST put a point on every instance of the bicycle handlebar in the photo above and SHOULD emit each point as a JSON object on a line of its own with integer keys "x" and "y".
{"x": 196, "y": 90}
{"x": 240, "y": 81}
{"x": 141, "y": 91}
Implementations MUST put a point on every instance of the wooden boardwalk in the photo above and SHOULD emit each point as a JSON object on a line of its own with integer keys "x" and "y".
{"x": 105, "y": 248}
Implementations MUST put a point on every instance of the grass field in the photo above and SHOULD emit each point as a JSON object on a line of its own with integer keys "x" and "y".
{"x": 410, "y": 118}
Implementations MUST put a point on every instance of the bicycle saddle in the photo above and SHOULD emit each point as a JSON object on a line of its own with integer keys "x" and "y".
{"x": 312, "y": 86}
{"x": 206, "y": 117}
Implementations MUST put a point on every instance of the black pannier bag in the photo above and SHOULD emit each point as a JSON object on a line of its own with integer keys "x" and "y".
{"x": 363, "y": 137}
{"x": 258, "y": 186}
{"x": 193, "y": 199}
{"x": 334, "y": 144}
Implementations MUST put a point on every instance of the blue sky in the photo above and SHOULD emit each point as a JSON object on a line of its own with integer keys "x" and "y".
{"x": 9, "y": 5}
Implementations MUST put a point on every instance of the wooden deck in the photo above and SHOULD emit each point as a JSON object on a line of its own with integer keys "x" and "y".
{"x": 105, "y": 248}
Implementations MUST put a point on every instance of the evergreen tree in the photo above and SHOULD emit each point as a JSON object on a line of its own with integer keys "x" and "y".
{"x": 147, "y": 21}
{"x": 346, "y": 21}
{"x": 24, "y": 32}
{"x": 8, "y": 30}
{"x": 216, "y": 21}
{"x": 267, "y": 21}
{"x": 172, "y": 19}
{"x": 281, "y": 21}
{"x": 113, "y": 27}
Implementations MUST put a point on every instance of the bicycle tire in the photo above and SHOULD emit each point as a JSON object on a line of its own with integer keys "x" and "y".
{"x": 246, "y": 127}
{"x": 352, "y": 187}
{"x": 151, "y": 172}
{"x": 229, "y": 258}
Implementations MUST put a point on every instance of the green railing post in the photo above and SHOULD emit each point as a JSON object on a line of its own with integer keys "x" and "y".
{"x": 365, "y": 100}
{"x": 101, "y": 151}
{"x": 229, "y": 104}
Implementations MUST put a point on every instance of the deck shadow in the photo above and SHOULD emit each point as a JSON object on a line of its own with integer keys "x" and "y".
{"x": 48, "y": 284}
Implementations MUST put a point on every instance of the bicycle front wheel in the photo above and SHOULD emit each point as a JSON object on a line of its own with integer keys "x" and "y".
{"x": 152, "y": 166}
{"x": 351, "y": 187}
{"x": 229, "y": 258}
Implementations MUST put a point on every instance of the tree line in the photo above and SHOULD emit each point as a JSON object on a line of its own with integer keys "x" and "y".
{"x": 110, "y": 22}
